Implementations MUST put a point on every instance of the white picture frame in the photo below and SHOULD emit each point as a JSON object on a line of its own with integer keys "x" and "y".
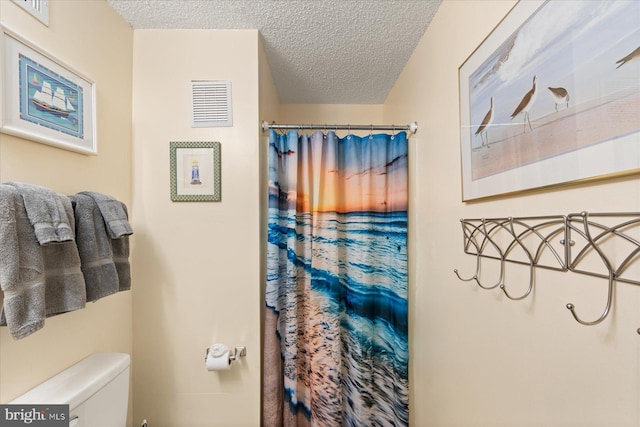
{"x": 588, "y": 49}
{"x": 45, "y": 100}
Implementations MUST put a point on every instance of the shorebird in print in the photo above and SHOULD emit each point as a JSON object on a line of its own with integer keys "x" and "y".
{"x": 486, "y": 122}
{"x": 633, "y": 55}
{"x": 559, "y": 95}
{"x": 526, "y": 103}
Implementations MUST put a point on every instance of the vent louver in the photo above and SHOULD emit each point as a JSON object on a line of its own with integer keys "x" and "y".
{"x": 211, "y": 103}
{"x": 38, "y": 8}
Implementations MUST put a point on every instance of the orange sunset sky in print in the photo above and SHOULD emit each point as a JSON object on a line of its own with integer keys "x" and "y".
{"x": 356, "y": 174}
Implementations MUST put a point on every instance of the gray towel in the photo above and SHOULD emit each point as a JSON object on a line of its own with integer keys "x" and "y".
{"x": 121, "y": 257}
{"x": 113, "y": 213}
{"x": 94, "y": 246}
{"x": 45, "y": 212}
{"x": 22, "y": 277}
{"x": 64, "y": 281}
{"x": 37, "y": 281}
{"x": 105, "y": 258}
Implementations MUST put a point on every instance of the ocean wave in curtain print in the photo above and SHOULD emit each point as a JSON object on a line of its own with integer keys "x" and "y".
{"x": 336, "y": 333}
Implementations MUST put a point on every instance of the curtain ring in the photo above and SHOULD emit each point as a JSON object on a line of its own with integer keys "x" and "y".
{"x": 393, "y": 131}
{"x": 371, "y": 132}
{"x": 349, "y": 131}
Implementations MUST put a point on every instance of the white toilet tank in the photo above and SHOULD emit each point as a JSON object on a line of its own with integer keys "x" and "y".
{"x": 96, "y": 390}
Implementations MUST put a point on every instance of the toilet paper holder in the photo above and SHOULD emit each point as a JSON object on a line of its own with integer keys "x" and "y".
{"x": 239, "y": 351}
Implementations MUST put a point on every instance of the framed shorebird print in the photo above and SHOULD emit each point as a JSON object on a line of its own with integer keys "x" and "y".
{"x": 45, "y": 100}
{"x": 551, "y": 96}
{"x": 195, "y": 171}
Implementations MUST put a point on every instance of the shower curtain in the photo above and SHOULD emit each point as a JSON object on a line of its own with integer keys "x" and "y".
{"x": 336, "y": 340}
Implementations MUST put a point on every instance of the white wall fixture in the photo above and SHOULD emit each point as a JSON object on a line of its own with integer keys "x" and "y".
{"x": 219, "y": 357}
{"x": 211, "y": 103}
{"x": 38, "y": 8}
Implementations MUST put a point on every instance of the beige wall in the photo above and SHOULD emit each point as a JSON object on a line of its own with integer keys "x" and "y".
{"x": 477, "y": 358}
{"x": 331, "y": 113}
{"x": 197, "y": 272}
{"x": 343, "y": 114}
{"x": 93, "y": 39}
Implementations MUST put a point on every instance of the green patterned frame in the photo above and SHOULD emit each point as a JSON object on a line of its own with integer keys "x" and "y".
{"x": 205, "y": 196}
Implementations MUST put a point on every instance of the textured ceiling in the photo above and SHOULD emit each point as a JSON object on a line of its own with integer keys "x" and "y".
{"x": 319, "y": 51}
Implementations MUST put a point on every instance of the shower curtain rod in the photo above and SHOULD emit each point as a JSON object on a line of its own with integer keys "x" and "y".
{"x": 413, "y": 127}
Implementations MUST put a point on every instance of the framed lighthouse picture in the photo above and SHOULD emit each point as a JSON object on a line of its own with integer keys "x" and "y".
{"x": 45, "y": 100}
{"x": 551, "y": 96}
{"x": 195, "y": 171}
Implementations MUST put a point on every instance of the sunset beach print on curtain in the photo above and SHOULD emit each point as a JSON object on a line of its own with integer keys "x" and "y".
{"x": 336, "y": 326}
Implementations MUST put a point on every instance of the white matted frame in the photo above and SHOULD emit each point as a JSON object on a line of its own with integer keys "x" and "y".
{"x": 45, "y": 100}
{"x": 580, "y": 62}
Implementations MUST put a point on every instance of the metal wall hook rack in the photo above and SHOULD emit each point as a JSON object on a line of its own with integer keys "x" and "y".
{"x": 573, "y": 242}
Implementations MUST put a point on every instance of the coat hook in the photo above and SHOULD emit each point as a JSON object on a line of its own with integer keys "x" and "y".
{"x": 531, "y": 265}
{"x": 526, "y": 294}
{"x": 500, "y": 277}
{"x": 476, "y": 278}
{"x": 604, "y": 314}
{"x": 476, "y": 275}
{"x": 471, "y": 240}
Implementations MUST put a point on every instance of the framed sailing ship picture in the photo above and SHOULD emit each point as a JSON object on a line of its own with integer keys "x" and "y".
{"x": 195, "y": 171}
{"x": 45, "y": 100}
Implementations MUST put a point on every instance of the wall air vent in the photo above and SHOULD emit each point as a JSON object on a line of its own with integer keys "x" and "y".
{"x": 38, "y": 8}
{"x": 211, "y": 103}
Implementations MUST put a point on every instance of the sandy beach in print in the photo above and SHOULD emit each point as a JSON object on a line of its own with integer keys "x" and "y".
{"x": 337, "y": 279}
{"x": 588, "y": 50}
{"x": 561, "y": 132}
